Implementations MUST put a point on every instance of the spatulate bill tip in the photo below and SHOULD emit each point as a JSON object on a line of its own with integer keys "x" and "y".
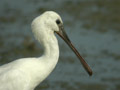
{"x": 90, "y": 73}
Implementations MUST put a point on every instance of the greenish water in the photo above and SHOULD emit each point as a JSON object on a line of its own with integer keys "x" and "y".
{"x": 93, "y": 27}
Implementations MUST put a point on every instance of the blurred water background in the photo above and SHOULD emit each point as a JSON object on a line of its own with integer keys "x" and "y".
{"x": 92, "y": 25}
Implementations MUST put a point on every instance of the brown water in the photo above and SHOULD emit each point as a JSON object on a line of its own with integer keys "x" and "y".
{"x": 93, "y": 27}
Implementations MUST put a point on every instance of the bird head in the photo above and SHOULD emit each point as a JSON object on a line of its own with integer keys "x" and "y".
{"x": 50, "y": 22}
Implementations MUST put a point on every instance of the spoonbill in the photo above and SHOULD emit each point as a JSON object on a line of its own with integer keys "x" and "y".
{"x": 27, "y": 73}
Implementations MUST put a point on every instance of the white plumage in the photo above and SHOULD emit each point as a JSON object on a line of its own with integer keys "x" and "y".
{"x": 27, "y": 73}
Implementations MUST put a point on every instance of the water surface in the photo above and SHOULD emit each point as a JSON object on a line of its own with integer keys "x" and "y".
{"x": 92, "y": 26}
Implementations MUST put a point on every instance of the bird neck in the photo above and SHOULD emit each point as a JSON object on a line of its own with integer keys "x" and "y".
{"x": 47, "y": 39}
{"x": 50, "y": 45}
{"x": 51, "y": 49}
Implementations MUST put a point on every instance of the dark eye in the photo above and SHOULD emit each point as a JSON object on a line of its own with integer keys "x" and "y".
{"x": 58, "y": 21}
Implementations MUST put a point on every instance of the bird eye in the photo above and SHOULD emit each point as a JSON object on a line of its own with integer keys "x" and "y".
{"x": 58, "y": 21}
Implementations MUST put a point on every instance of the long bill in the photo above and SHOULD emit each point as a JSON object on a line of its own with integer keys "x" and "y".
{"x": 64, "y": 36}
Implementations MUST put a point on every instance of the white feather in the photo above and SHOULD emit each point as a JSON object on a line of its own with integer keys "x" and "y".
{"x": 27, "y": 73}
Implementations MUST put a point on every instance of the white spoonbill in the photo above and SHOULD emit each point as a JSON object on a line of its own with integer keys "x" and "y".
{"x": 27, "y": 73}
